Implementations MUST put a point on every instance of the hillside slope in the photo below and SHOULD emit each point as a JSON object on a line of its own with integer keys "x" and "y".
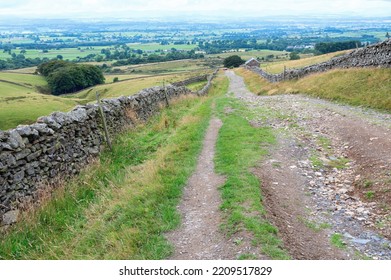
{"x": 21, "y": 103}
{"x": 364, "y": 87}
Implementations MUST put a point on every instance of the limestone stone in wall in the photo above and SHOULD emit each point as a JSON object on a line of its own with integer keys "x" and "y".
{"x": 206, "y": 88}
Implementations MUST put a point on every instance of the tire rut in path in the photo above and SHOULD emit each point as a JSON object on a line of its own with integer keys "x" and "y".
{"x": 199, "y": 236}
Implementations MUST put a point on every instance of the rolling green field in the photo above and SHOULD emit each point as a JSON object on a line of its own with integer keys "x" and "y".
{"x": 156, "y": 46}
{"x": 74, "y": 53}
{"x": 169, "y": 66}
{"x": 27, "y": 70}
{"x": 127, "y": 87}
{"x": 22, "y": 79}
{"x": 69, "y": 53}
{"x": 250, "y": 54}
{"x": 21, "y": 102}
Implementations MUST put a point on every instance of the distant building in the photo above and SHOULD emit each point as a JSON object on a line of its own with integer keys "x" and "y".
{"x": 252, "y": 62}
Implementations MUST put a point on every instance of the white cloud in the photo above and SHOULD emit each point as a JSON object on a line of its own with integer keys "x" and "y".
{"x": 120, "y": 8}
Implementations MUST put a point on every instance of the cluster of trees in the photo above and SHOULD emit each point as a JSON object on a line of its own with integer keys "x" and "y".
{"x": 67, "y": 77}
{"x": 233, "y": 61}
{"x": 294, "y": 56}
{"x": 336, "y": 46}
{"x": 20, "y": 61}
{"x": 218, "y": 46}
{"x": 173, "y": 55}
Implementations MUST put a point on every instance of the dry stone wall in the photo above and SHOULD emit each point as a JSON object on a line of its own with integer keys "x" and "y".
{"x": 378, "y": 55}
{"x": 191, "y": 80}
{"x": 57, "y": 146}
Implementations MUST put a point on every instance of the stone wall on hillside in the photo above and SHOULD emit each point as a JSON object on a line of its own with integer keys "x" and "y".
{"x": 35, "y": 156}
{"x": 378, "y": 55}
{"x": 191, "y": 80}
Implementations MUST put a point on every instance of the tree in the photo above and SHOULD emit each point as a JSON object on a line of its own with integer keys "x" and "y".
{"x": 60, "y": 57}
{"x": 294, "y": 56}
{"x": 46, "y": 68}
{"x": 388, "y": 35}
{"x": 336, "y": 46}
{"x": 233, "y": 61}
{"x": 66, "y": 77}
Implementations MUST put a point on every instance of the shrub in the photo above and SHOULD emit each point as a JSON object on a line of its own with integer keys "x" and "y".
{"x": 233, "y": 61}
{"x": 66, "y": 77}
{"x": 294, "y": 56}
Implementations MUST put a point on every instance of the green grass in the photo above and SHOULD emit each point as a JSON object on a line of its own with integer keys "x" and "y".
{"x": 325, "y": 143}
{"x": 250, "y": 54}
{"x": 67, "y": 53}
{"x": 120, "y": 207}
{"x": 23, "y": 79}
{"x": 369, "y": 194}
{"x": 278, "y": 67}
{"x": 316, "y": 227}
{"x": 336, "y": 240}
{"x": 339, "y": 163}
{"x": 127, "y": 87}
{"x": 169, "y": 67}
{"x": 26, "y": 109}
{"x": 21, "y": 103}
{"x": 157, "y": 46}
{"x": 316, "y": 162}
{"x": 247, "y": 257}
{"x": 355, "y": 86}
{"x": 367, "y": 183}
{"x": 238, "y": 149}
{"x": 197, "y": 86}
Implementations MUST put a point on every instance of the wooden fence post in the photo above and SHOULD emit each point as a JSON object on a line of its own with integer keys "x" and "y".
{"x": 165, "y": 94}
{"x": 104, "y": 122}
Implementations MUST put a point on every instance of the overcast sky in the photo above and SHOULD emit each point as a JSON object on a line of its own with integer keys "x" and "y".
{"x": 234, "y": 8}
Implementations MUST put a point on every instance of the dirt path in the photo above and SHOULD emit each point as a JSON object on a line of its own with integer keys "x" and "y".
{"x": 329, "y": 174}
{"x": 199, "y": 237}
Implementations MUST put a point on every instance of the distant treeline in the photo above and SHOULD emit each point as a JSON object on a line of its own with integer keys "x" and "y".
{"x": 174, "y": 55}
{"x": 65, "y": 45}
{"x": 121, "y": 53}
{"x": 336, "y": 46}
{"x": 67, "y": 77}
{"x": 280, "y": 44}
{"x": 19, "y": 61}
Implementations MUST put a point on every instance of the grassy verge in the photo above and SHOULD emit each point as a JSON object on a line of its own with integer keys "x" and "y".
{"x": 238, "y": 150}
{"x": 120, "y": 207}
{"x": 360, "y": 87}
{"x": 197, "y": 86}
